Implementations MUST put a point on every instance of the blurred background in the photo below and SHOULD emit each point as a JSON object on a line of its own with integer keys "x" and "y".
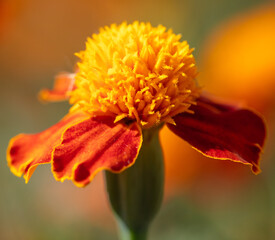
{"x": 234, "y": 45}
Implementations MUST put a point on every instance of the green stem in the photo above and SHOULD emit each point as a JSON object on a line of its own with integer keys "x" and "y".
{"x": 136, "y": 193}
{"x": 126, "y": 234}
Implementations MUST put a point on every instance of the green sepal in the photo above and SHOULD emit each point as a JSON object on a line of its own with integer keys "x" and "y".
{"x": 136, "y": 193}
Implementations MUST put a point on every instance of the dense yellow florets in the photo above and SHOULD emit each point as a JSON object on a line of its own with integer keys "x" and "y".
{"x": 136, "y": 72}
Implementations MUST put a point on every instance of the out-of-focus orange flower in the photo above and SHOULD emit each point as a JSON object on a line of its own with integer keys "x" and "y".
{"x": 238, "y": 58}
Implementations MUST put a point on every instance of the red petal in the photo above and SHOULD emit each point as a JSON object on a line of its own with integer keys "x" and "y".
{"x": 26, "y": 151}
{"x": 63, "y": 85}
{"x": 223, "y": 132}
{"x": 93, "y": 145}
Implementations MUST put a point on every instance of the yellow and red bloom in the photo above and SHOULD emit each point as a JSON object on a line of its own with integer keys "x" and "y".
{"x": 132, "y": 78}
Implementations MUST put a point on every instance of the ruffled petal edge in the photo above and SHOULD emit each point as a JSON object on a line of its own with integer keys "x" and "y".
{"x": 26, "y": 151}
{"x": 94, "y": 145}
{"x": 222, "y": 131}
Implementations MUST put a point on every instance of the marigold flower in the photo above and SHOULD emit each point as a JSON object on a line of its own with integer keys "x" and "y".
{"x": 131, "y": 78}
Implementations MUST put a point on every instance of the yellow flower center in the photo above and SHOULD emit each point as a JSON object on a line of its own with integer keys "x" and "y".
{"x": 137, "y": 72}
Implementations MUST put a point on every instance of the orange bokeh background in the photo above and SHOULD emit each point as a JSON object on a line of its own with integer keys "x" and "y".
{"x": 237, "y": 60}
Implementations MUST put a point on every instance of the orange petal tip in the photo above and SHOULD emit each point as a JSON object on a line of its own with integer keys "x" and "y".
{"x": 26, "y": 151}
{"x": 63, "y": 86}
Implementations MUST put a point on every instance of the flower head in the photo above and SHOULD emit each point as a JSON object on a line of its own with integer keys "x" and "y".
{"x": 136, "y": 72}
{"x": 131, "y": 78}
